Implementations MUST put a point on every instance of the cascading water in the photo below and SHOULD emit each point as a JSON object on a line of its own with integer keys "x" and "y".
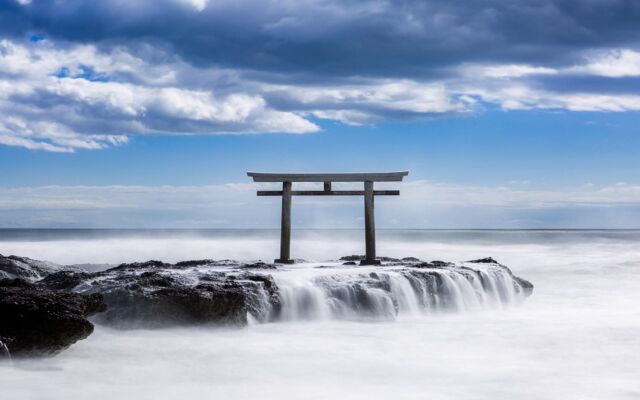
{"x": 388, "y": 293}
{"x": 321, "y": 291}
{"x": 4, "y": 351}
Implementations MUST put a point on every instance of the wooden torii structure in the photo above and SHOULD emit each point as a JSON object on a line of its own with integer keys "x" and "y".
{"x": 328, "y": 178}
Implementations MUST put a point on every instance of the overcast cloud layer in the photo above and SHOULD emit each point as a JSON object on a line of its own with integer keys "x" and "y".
{"x": 424, "y": 203}
{"x": 90, "y": 74}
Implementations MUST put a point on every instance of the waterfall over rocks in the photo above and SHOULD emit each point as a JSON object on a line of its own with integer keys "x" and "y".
{"x": 156, "y": 294}
{"x": 4, "y": 351}
{"x": 386, "y": 293}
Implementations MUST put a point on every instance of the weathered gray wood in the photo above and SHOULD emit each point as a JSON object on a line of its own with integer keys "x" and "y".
{"x": 285, "y": 225}
{"x": 329, "y": 193}
{"x": 368, "y": 193}
{"x": 369, "y": 224}
{"x": 328, "y": 177}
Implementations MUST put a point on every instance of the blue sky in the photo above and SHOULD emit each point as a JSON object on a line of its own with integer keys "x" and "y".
{"x": 546, "y": 149}
{"x": 521, "y": 116}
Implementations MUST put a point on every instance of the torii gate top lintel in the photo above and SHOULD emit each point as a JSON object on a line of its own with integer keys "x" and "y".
{"x": 329, "y": 177}
{"x": 368, "y": 178}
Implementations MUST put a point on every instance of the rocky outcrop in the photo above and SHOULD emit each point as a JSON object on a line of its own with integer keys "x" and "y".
{"x": 487, "y": 260}
{"x": 37, "y": 321}
{"x": 361, "y": 257}
{"x": 158, "y": 299}
{"x": 157, "y": 294}
{"x": 51, "y": 313}
{"x": 13, "y": 267}
{"x": 63, "y": 280}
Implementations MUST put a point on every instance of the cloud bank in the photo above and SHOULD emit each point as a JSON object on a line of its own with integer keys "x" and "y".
{"x": 89, "y": 75}
{"x": 424, "y": 204}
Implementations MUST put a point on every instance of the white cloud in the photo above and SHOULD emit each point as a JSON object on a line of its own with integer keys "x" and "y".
{"x": 506, "y": 71}
{"x": 197, "y": 5}
{"x": 401, "y": 95}
{"x": 615, "y": 63}
{"x": 371, "y": 100}
{"x": 50, "y": 136}
{"x": 511, "y": 86}
{"x": 63, "y": 97}
{"x": 520, "y": 97}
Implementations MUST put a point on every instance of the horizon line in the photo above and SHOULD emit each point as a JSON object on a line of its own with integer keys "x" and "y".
{"x": 324, "y": 229}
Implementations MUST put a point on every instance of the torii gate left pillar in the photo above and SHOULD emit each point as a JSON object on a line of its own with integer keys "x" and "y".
{"x": 368, "y": 193}
{"x": 285, "y": 226}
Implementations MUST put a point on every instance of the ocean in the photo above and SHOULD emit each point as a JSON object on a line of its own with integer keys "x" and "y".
{"x": 575, "y": 337}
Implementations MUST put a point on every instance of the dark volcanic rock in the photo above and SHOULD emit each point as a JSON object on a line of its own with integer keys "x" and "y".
{"x": 63, "y": 280}
{"x": 525, "y": 284}
{"x": 362, "y": 257}
{"x": 206, "y": 262}
{"x": 13, "y": 267}
{"x": 194, "y": 263}
{"x": 432, "y": 264}
{"x": 352, "y": 258}
{"x": 144, "y": 305}
{"x": 258, "y": 265}
{"x": 487, "y": 260}
{"x": 140, "y": 265}
{"x": 50, "y": 314}
{"x": 438, "y": 263}
{"x": 155, "y": 294}
{"x": 37, "y": 321}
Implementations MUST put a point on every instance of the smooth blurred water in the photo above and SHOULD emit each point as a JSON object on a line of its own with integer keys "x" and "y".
{"x": 576, "y": 337}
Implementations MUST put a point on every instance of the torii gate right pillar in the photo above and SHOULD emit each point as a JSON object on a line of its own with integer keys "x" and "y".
{"x": 285, "y": 226}
{"x": 369, "y": 226}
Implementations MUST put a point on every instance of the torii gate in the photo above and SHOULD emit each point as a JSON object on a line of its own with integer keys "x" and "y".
{"x": 328, "y": 178}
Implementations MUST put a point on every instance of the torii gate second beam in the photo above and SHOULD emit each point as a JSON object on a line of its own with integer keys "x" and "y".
{"x": 369, "y": 220}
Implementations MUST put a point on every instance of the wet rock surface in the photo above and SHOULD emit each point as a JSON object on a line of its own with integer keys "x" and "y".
{"x": 158, "y": 294}
{"x": 361, "y": 257}
{"x": 50, "y": 312}
{"x": 37, "y": 321}
{"x": 12, "y": 267}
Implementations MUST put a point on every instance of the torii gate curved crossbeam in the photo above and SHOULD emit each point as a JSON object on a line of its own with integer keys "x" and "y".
{"x": 369, "y": 219}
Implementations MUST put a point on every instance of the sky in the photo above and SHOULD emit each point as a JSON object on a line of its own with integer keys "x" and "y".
{"x": 148, "y": 114}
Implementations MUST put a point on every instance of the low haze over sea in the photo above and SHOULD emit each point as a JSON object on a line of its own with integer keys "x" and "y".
{"x": 574, "y": 338}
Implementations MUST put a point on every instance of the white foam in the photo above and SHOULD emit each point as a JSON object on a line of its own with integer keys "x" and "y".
{"x": 574, "y": 338}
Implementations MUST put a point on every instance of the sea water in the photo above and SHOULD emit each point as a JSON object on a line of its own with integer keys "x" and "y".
{"x": 576, "y": 337}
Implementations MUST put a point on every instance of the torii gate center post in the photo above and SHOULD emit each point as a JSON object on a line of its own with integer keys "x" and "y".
{"x": 328, "y": 178}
